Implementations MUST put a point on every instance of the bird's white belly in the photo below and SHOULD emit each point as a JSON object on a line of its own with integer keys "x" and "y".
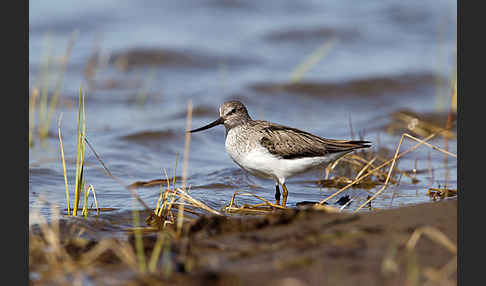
{"x": 261, "y": 163}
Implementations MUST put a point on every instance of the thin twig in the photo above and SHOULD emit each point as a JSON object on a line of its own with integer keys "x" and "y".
{"x": 134, "y": 194}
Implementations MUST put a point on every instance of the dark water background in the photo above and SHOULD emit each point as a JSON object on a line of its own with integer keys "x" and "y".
{"x": 385, "y": 56}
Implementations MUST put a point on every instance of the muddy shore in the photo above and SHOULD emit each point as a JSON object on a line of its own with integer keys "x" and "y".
{"x": 297, "y": 247}
{"x": 315, "y": 248}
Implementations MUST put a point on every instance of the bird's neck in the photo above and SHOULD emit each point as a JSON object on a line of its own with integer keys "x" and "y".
{"x": 235, "y": 122}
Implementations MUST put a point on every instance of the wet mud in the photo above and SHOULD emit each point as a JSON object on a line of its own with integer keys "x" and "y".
{"x": 304, "y": 246}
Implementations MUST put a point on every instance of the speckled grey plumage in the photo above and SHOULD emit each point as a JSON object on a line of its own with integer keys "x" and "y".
{"x": 282, "y": 141}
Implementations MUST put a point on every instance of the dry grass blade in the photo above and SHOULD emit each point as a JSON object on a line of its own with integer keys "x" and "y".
{"x": 32, "y": 101}
{"x": 434, "y": 234}
{"x": 57, "y": 90}
{"x": 389, "y": 265}
{"x": 48, "y": 104}
{"x": 154, "y": 258}
{"x": 331, "y": 167}
{"x": 90, "y": 257}
{"x": 166, "y": 205}
{"x": 448, "y": 126}
{"x": 180, "y": 213}
{"x": 96, "y": 201}
{"x": 49, "y": 238}
{"x": 435, "y": 277}
{"x": 159, "y": 200}
{"x": 248, "y": 208}
{"x": 142, "y": 266}
{"x": 127, "y": 255}
{"x": 440, "y": 277}
{"x": 421, "y": 142}
{"x": 194, "y": 202}
{"x": 430, "y": 145}
{"x": 387, "y": 178}
{"x": 91, "y": 189}
{"x": 360, "y": 161}
{"x": 175, "y": 171}
{"x": 177, "y": 197}
{"x": 44, "y": 74}
{"x": 311, "y": 61}
{"x": 64, "y": 165}
{"x": 375, "y": 169}
{"x": 121, "y": 249}
{"x": 365, "y": 168}
{"x": 395, "y": 158}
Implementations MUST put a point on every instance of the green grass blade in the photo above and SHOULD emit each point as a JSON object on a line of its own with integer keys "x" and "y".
{"x": 78, "y": 189}
{"x": 80, "y": 150}
{"x": 78, "y": 154}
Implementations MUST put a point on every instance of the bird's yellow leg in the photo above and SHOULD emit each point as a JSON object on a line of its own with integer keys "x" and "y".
{"x": 285, "y": 192}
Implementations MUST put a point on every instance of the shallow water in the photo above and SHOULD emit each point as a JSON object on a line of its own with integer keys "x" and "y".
{"x": 385, "y": 56}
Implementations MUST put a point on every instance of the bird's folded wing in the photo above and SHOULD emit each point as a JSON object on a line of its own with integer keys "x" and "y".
{"x": 291, "y": 143}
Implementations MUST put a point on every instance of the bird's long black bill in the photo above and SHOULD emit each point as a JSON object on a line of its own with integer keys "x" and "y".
{"x": 212, "y": 124}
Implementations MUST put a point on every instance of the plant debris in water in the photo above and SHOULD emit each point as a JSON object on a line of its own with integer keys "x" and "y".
{"x": 441, "y": 193}
{"x": 340, "y": 182}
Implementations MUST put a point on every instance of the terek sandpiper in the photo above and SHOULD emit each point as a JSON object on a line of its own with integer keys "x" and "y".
{"x": 273, "y": 151}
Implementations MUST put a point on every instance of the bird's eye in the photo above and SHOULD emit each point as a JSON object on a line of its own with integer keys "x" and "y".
{"x": 231, "y": 112}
